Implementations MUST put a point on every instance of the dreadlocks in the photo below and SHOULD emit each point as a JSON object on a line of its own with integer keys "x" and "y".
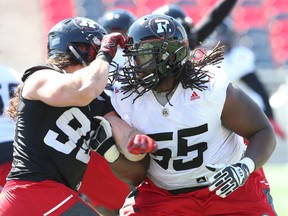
{"x": 193, "y": 75}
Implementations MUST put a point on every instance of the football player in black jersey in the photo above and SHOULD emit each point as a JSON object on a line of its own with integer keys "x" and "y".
{"x": 59, "y": 112}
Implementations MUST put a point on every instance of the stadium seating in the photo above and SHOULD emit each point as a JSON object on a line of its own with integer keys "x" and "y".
{"x": 278, "y": 32}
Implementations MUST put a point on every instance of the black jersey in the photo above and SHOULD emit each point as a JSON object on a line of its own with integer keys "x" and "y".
{"x": 52, "y": 143}
{"x": 210, "y": 22}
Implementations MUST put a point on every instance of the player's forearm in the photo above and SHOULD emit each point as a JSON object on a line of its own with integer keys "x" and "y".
{"x": 222, "y": 8}
{"x": 210, "y": 21}
{"x": 261, "y": 146}
{"x": 132, "y": 173}
{"x": 124, "y": 135}
{"x": 93, "y": 79}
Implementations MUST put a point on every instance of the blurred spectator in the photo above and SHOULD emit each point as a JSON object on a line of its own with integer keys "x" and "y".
{"x": 257, "y": 40}
{"x": 239, "y": 65}
{"x": 198, "y": 32}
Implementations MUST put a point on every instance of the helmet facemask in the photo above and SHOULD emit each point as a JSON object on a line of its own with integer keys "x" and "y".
{"x": 150, "y": 62}
{"x": 82, "y": 53}
{"x": 141, "y": 64}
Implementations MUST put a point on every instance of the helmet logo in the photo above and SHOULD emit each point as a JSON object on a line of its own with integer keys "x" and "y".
{"x": 161, "y": 26}
{"x": 86, "y": 24}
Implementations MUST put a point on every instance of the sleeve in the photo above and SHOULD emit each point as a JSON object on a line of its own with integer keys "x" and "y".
{"x": 108, "y": 106}
{"x": 31, "y": 70}
{"x": 210, "y": 21}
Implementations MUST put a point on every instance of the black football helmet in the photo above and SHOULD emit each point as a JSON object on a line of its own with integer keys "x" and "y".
{"x": 157, "y": 47}
{"x": 178, "y": 13}
{"x": 67, "y": 36}
{"x": 117, "y": 20}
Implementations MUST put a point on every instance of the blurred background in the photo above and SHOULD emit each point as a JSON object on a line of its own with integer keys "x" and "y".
{"x": 261, "y": 25}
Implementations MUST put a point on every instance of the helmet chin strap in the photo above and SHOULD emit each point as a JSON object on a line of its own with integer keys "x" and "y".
{"x": 77, "y": 56}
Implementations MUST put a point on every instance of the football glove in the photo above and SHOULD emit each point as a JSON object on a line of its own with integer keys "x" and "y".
{"x": 102, "y": 140}
{"x": 228, "y": 178}
{"x": 109, "y": 45}
{"x": 141, "y": 144}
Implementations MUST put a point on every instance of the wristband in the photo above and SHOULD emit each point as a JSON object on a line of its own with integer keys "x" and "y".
{"x": 112, "y": 154}
{"x": 249, "y": 163}
{"x": 109, "y": 150}
{"x": 104, "y": 56}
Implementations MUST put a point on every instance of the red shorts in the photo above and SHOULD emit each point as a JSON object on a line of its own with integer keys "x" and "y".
{"x": 4, "y": 170}
{"x": 252, "y": 199}
{"x": 101, "y": 186}
{"x": 28, "y": 198}
{"x": 99, "y": 183}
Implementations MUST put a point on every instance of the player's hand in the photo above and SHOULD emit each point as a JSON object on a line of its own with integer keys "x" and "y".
{"x": 141, "y": 144}
{"x": 229, "y": 178}
{"x": 110, "y": 42}
{"x": 102, "y": 140}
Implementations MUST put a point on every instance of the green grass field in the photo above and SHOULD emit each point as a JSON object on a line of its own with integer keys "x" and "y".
{"x": 277, "y": 176}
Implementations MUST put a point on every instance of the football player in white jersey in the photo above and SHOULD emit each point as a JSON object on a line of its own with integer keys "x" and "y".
{"x": 198, "y": 118}
{"x": 9, "y": 80}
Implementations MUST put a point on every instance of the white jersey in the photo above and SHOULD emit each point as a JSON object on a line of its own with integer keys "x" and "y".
{"x": 189, "y": 133}
{"x": 237, "y": 63}
{"x": 9, "y": 79}
{"x": 120, "y": 60}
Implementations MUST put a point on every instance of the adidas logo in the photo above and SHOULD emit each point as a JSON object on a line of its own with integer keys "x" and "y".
{"x": 194, "y": 96}
{"x": 201, "y": 179}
